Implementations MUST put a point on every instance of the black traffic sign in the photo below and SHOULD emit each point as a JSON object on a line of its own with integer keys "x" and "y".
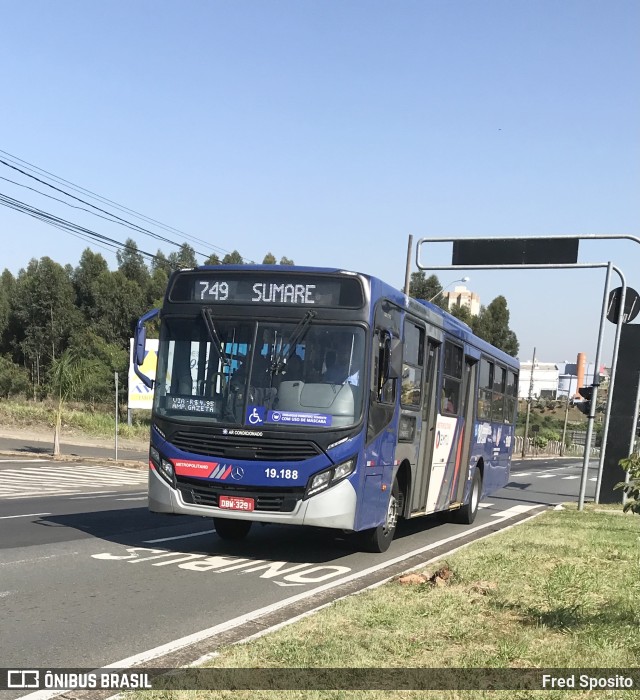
{"x": 631, "y": 305}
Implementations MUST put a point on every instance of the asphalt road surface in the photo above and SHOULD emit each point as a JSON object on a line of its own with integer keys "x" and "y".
{"x": 88, "y": 577}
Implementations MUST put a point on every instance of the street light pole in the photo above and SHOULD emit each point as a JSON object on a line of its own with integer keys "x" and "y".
{"x": 435, "y": 296}
{"x": 529, "y": 399}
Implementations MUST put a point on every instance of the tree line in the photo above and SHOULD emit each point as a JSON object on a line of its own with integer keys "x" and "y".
{"x": 52, "y": 316}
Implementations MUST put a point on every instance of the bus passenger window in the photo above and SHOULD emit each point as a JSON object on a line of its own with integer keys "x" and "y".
{"x": 452, "y": 383}
{"x": 450, "y": 396}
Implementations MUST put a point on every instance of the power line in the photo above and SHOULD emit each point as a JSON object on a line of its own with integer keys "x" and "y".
{"x": 78, "y": 188}
{"x": 93, "y": 206}
{"x": 69, "y": 226}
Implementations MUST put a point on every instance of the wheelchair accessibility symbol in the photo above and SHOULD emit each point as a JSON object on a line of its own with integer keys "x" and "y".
{"x": 255, "y": 415}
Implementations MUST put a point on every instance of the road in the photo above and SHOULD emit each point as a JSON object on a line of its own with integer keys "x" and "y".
{"x": 89, "y": 577}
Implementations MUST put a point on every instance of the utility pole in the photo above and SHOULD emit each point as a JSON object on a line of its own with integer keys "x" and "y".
{"x": 116, "y": 436}
{"x": 529, "y": 399}
{"x": 566, "y": 418}
{"x": 407, "y": 273}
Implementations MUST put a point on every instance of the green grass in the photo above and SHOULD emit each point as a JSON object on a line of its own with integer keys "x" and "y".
{"x": 96, "y": 421}
{"x": 560, "y": 591}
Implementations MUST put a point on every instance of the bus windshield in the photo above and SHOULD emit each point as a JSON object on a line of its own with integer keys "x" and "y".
{"x": 298, "y": 374}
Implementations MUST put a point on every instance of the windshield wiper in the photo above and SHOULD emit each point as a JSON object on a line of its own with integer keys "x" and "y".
{"x": 296, "y": 336}
{"x": 213, "y": 334}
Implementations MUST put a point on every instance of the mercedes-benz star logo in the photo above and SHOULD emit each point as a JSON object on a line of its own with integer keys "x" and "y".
{"x": 237, "y": 473}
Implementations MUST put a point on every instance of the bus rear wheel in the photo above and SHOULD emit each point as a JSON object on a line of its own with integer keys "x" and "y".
{"x": 232, "y": 529}
{"x": 467, "y": 514}
{"x": 378, "y": 539}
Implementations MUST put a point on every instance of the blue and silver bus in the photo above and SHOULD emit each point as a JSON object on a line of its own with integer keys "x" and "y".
{"x": 321, "y": 397}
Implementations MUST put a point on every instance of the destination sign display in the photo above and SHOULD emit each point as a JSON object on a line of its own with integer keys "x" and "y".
{"x": 257, "y": 289}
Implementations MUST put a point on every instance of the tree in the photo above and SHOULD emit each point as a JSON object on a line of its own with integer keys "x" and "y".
{"x": 7, "y": 283}
{"x": 100, "y": 360}
{"x": 67, "y": 374}
{"x": 492, "y": 324}
{"x": 45, "y": 314}
{"x": 286, "y": 261}
{"x": 631, "y": 488}
{"x": 428, "y": 288}
{"x": 233, "y": 258}
{"x": 119, "y": 304}
{"x": 160, "y": 262}
{"x": 183, "y": 259}
{"x": 14, "y": 379}
{"x": 213, "y": 259}
{"x": 269, "y": 259}
{"x": 91, "y": 266}
{"x": 157, "y": 287}
{"x": 131, "y": 264}
{"x": 462, "y": 312}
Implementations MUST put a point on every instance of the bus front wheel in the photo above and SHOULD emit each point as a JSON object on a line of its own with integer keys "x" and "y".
{"x": 378, "y": 539}
{"x": 232, "y": 529}
{"x": 467, "y": 514}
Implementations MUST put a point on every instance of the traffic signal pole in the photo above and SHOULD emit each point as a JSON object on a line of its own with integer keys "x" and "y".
{"x": 594, "y": 396}
{"x": 612, "y": 380}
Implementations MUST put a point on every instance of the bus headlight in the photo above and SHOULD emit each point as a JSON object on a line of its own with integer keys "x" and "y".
{"x": 166, "y": 470}
{"x": 163, "y": 467}
{"x": 329, "y": 477}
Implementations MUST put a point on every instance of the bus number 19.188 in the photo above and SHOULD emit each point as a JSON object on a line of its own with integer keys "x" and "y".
{"x": 281, "y": 473}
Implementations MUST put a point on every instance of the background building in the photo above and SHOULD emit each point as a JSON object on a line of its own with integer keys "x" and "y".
{"x": 461, "y": 296}
{"x": 545, "y": 380}
{"x": 554, "y": 380}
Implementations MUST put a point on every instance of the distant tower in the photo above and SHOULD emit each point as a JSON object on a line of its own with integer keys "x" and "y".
{"x": 581, "y": 366}
{"x": 461, "y": 296}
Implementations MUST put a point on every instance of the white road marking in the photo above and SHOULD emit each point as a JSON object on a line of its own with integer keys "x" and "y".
{"x": 546, "y": 476}
{"x": 132, "y": 498}
{"x": 485, "y": 505}
{"x": 66, "y": 479}
{"x": 95, "y": 494}
{"x": 23, "y": 461}
{"x": 26, "y": 515}
{"x": 567, "y": 478}
{"x": 520, "y": 474}
{"x": 515, "y": 510}
{"x": 179, "y": 537}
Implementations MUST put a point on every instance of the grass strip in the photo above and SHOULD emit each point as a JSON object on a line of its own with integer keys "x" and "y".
{"x": 560, "y": 591}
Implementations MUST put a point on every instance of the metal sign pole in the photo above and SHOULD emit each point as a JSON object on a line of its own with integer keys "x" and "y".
{"x": 612, "y": 379}
{"x": 594, "y": 395}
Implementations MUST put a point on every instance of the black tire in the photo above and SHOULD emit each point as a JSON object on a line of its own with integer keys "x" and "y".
{"x": 232, "y": 529}
{"x": 467, "y": 514}
{"x": 378, "y": 539}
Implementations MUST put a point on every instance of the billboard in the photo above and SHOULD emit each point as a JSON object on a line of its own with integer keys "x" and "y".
{"x": 141, "y": 396}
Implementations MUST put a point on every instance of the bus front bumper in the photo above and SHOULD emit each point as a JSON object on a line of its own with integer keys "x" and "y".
{"x": 333, "y": 508}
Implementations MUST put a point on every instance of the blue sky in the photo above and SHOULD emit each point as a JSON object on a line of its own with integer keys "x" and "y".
{"x": 328, "y": 131}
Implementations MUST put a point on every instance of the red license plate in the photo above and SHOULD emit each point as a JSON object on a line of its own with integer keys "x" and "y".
{"x": 235, "y": 503}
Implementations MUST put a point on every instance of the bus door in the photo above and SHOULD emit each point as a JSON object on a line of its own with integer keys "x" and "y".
{"x": 426, "y": 437}
{"x": 446, "y": 428}
{"x": 470, "y": 393}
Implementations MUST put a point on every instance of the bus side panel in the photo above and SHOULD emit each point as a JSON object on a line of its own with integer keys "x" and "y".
{"x": 379, "y": 462}
{"x": 493, "y": 443}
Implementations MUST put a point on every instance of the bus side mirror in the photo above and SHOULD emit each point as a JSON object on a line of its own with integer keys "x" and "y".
{"x": 139, "y": 346}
